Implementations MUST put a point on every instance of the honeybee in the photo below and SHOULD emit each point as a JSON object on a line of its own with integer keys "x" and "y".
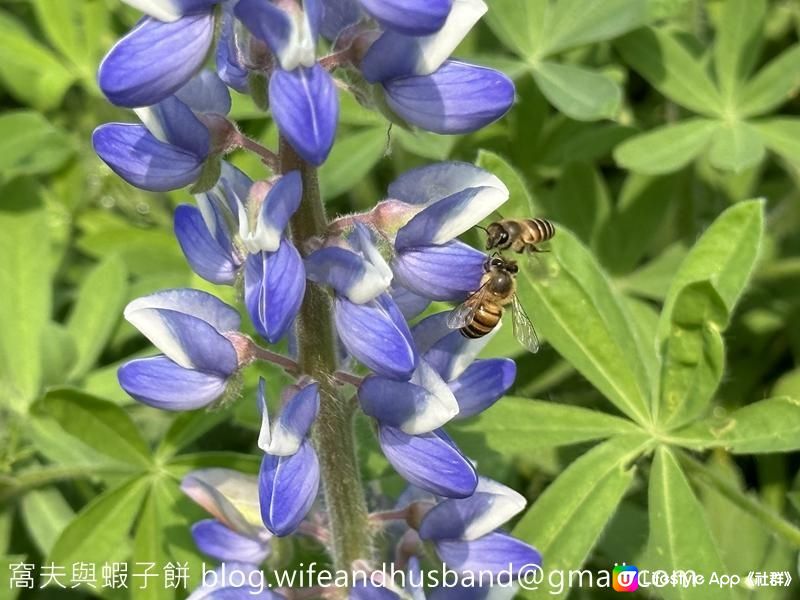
{"x": 518, "y": 235}
{"x": 480, "y": 313}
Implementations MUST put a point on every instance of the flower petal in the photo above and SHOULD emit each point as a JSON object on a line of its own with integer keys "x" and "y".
{"x": 397, "y": 55}
{"x": 159, "y": 382}
{"x": 446, "y": 219}
{"x": 434, "y": 182}
{"x": 418, "y": 406}
{"x": 458, "y": 98}
{"x": 347, "y": 273}
{"x": 449, "y": 352}
{"x": 415, "y": 17}
{"x": 204, "y": 254}
{"x": 229, "y": 67}
{"x": 156, "y": 59}
{"x": 173, "y": 122}
{"x": 290, "y": 36}
{"x": 337, "y": 15}
{"x": 409, "y": 303}
{"x": 274, "y": 285}
{"x": 482, "y": 384}
{"x": 171, "y": 10}
{"x": 206, "y": 93}
{"x": 235, "y": 186}
{"x": 287, "y": 488}
{"x": 492, "y": 505}
{"x": 229, "y": 496}
{"x": 293, "y": 424}
{"x": 430, "y": 461}
{"x": 234, "y": 581}
{"x": 493, "y": 553}
{"x": 447, "y": 272}
{"x": 376, "y": 334}
{"x": 197, "y": 303}
{"x": 281, "y": 203}
{"x": 216, "y": 540}
{"x": 140, "y": 159}
{"x": 305, "y": 107}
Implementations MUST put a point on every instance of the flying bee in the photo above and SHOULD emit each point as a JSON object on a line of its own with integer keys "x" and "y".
{"x": 519, "y": 235}
{"x": 480, "y": 313}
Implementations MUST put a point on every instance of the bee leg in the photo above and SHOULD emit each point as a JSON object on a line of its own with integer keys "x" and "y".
{"x": 535, "y": 250}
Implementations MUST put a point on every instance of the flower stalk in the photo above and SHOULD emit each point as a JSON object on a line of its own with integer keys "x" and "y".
{"x": 334, "y": 434}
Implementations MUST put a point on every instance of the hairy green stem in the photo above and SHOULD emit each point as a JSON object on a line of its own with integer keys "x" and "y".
{"x": 334, "y": 434}
{"x": 772, "y": 520}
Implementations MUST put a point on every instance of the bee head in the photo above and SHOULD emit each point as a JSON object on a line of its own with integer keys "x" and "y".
{"x": 497, "y": 236}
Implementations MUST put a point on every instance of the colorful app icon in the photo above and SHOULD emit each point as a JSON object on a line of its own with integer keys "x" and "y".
{"x": 625, "y": 578}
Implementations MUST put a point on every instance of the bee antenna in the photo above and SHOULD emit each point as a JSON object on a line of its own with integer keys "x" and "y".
{"x": 483, "y": 228}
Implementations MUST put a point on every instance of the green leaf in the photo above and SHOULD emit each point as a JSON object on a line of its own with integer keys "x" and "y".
{"x": 653, "y": 279}
{"x": 692, "y": 355}
{"x": 98, "y": 423}
{"x": 422, "y": 143}
{"x": 573, "y": 23}
{"x": 658, "y": 57}
{"x": 782, "y": 136}
{"x": 576, "y": 309}
{"x": 516, "y": 426}
{"x": 581, "y": 201}
{"x": 518, "y": 25}
{"x": 771, "y": 425}
{"x": 627, "y": 233}
{"x": 772, "y": 86}
{"x": 30, "y": 145}
{"x": 46, "y": 514}
{"x": 735, "y": 147}
{"x": 97, "y": 311}
{"x": 679, "y": 533}
{"x": 150, "y": 546}
{"x": 737, "y": 45}
{"x": 521, "y": 202}
{"x": 645, "y": 320}
{"x": 568, "y": 518}
{"x": 99, "y": 533}
{"x": 59, "y": 354}
{"x": 579, "y": 93}
{"x": 352, "y": 158}
{"x": 26, "y": 294}
{"x": 29, "y": 70}
{"x": 186, "y": 428}
{"x": 725, "y": 255}
{"x": 62, "y": 448}
{"x": 665, "y": 149}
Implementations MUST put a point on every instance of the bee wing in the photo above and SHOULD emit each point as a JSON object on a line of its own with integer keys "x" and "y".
{"x": 523, "y": 328}
{"x": 465, "y": 312}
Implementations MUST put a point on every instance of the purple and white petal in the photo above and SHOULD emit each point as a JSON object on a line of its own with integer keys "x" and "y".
{"x": 458, "y": 98}
{"x": 446, "y": 219}
{"x": 232, "y": 581}
{"x": 492, "y": 505}
{"x": 482, "y": 384}
{"x": 414, "y": 17}
{"x": 430, "y": 461}
{"x": 409, "y": 303}
{"x": 235, "y": 187}
{"x": 206, "y": 93}
{"x": 218, "y": 541}
{"x": 305, "y": 107}
{"x": 362, "y": 240}
{"x": 159, "y": 382}
{"x": 281, "y": 203}
{"x": 396, "y": 55}
{"x": 229, "y": 65}
{"x": 493, "y": 553}
{"x": 288, "y": 33}
{"x": 287, "y": 488}
{"x": 156, "y": 59}
{"x": 376, "y": 334}
{"x": 173, "y": 122}
{"x": 338, "y": 15}
{"x": 274, "y": 285}
{"x": 293, "y": 424}
{"x": 434, "y": 182}
{"x": 207, "y": 258}
{"x": 171, "y": 10}
{"x": 143, "y": 161}
{"x": 449, "y": 352}
{"x": 347, "y": 273}
{"x": 230, "y": 497}
{"x": 450, "y": 272}
{"x": 417, "y": 406}
{"x": 197, "y": 303}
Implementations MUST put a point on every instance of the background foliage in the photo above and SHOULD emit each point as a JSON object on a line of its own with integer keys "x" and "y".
{"x": 659, "y": 425}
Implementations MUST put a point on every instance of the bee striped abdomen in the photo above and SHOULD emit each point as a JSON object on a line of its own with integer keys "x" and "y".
{"x": 539, "y": 230}
{"x": 485, "y": 320}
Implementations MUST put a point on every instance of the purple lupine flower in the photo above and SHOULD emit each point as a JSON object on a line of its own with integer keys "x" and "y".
{"x": 368, "y": 321}
{"x": 161, "y": 54}
{"x": 429, "y": 260}
{"x": 170, "y": 149}
{"x": 288, "y": 481}
{"x": 230, "y": 497}
{"x": 230, "y": 64}
{"x": 193, "y": 329}
{"x": 216, "y": 540}
{"x": 422, "y": 86}
{"x": 302, "y": 94}
{"x": 233, "y": 581}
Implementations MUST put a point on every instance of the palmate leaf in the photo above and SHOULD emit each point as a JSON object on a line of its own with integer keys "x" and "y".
{"x": 566, "y": 521}
{"x": 772, "y": 86}
{"x": 150, "y": 546}
{"x": 579, "y": 93}
{"x": 680, "y": 538}
{"x": 519, "y": 25}
{"x": 736, "y": 146}
{"x": 782, "y": 136}
{"x": 737, "y": 45}
{"x": 579, "y": 313}
{"x": 665, "y": 149}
